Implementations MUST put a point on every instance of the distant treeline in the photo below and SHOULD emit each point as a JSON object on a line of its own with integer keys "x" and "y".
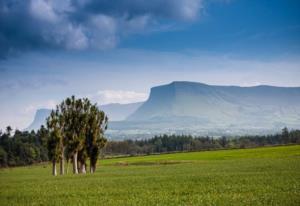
{"x": 172, "y": 143}
{"x": 25, "y": 148}
{"x": 22, "y": 148}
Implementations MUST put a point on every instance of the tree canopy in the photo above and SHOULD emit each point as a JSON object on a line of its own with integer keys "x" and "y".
{"x": 76, "y": 131}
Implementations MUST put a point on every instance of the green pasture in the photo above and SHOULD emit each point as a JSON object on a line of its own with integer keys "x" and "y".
{"x": 261, "y": 176}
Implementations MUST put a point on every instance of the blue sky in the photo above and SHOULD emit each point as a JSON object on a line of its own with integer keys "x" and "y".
{"x": 115, "y": 52}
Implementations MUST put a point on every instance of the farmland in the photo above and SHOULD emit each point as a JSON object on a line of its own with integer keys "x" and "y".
{"x": 261, "y": 176}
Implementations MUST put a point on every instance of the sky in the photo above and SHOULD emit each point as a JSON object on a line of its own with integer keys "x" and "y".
{"x": 115, "y": 51}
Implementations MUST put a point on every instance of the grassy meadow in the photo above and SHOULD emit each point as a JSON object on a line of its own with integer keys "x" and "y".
{"x": 261, "y": 176}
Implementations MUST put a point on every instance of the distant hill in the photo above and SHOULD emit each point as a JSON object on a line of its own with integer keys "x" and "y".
{"x": 200, "y": 109}
{"x": 220, "y": 104}
{"x": 39, "y": 119}
{"x": 115, "y": 112}
{"x": 196, "y": 108}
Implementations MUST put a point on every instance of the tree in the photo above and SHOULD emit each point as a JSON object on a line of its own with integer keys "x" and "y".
{"x": 42, "y": 136}
{"x": 3, "y": 157}
{"x": 95, "y": 140}
{"x": 223, "y": 141}
{"x": 81, "y": 126}
{"x": 285, "y": 135}
{"x": 54, "y": 140}
{"x": 83, "y": 150}
{"x": 8, "y": 131}
{"x": 74, "y": 127}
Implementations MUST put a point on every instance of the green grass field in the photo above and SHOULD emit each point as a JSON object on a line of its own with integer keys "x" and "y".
{"x": 263, "y": 176}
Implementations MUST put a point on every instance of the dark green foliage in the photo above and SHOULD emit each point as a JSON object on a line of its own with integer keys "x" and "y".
{"x": 95, "y": 141}
{"x": 23, "y": 148}
{"x": 76, "y": 132}
{"x": 285, "y": 135}
{"x": 54, "y": 137}
{"x": 172, "y": 143}
{"x": 3, "y": 157}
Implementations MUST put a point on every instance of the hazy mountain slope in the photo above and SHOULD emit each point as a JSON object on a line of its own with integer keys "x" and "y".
{"x": 39, "y": 119}
{"x": 221, "y": 104}
{"x": 115, "y": 112}
{"x": 118, "y": 112}
{"x": 200, "y": 109}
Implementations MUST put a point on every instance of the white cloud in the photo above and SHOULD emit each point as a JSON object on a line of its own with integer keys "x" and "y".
{"x": 189, "y": 9}
{"x": 43, "y": 10}
{"x": 118, "y": 96}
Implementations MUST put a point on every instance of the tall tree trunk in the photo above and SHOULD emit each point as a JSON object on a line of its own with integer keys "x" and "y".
{"x": 83, "y": 168}
{"x": 62, "y": 163}
{"x": 54, "y": 168}
{"x": 75, "y": 168}
{"x": 91, "y": 167}
{"x": 79, "y": 166}
{"x": 67, "y": 169}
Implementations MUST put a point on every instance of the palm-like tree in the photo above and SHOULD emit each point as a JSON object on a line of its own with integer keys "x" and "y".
{"x": 95, "y": 135}
{"x": 77, "y": 131}
{"x": 72, "y": 129}
{"x": 54, "y": 140}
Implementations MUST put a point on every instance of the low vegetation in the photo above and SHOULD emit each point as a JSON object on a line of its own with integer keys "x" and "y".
{"x": 26, "y": 148}
{"x": 259, "y": 176}
{"x": 171, "y": 143}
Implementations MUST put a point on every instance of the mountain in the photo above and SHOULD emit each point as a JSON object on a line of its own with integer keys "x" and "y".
{"x": 200, "y": 109}
{"x": 196, "y": 108}
{"x": 217, "y": 104}
{"x": 114, "y": 111}
{"x": 119, "y": 112}
{"x": 39, "y": 119}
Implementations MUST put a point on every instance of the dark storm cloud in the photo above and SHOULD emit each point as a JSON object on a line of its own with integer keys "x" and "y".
{"x": 83, "y": 24}
{"x": 179, "y": 9}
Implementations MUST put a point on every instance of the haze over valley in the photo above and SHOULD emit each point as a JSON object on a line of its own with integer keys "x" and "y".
{"x": 199, "y": 109}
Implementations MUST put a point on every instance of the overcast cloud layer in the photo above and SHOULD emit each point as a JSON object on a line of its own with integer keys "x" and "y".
{"x": 83, "y": 24}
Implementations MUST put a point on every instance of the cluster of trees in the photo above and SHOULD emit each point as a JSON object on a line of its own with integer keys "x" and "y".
{"x": 22, "y": 148}
{"x": 172, "y": 143}
{"x": 75, "y": 131}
